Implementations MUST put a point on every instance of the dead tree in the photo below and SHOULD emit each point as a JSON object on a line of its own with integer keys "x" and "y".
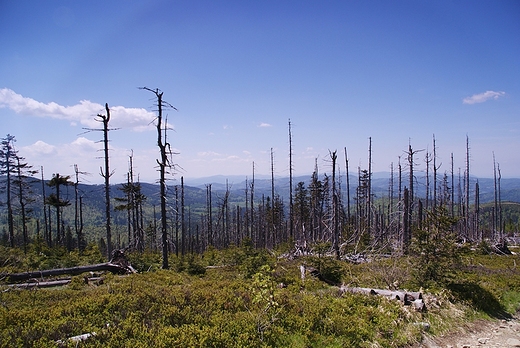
{"x": 183, "y": 225}
{"x": 466, "y": 213}
{"x": 348, "y": 185}
{"x": 47, "y": 232}
{"x": 335, "y": 206}
{"x": 252, "y": 198}
{"x": 78, "y": 211}
{"x": 369, "y": 195}
{"x": 164, "y": 166}
{"x": 106, "y": 174}
{"x": 272, "y": 225}
{"x": 435, "y": 168}
{"x": 291, "y": 212}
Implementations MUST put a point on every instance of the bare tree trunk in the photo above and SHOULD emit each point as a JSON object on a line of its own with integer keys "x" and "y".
{"x": 164, "y": 164}
{"x": 427, "y": 160}
{"x": 183, "y": 225}
{"x": 390, "y": 194}
{"x": 106, "y": 175}
{"x": 369, "y": 196}
{"x": 246, "y": 214}
{"x": 177, "y": 220}
{"x": 476, "y": 226}
{"x": 47, "y": 236}
{"x": 335, "y": 207}
{"x": 406, "y": 222}
{"x": 400, "y": 196}
{"x": 434, "y": 173}
{"x": 209, "y": 209}
{"x": 500, "y": 226}
{"x": 291, "y": 212}
{"x": 252, "y": 197}
{"x": 466, "y": 216}
{"x": 452, "y": 195}
{"x": 272, "y": 227}
{"x": 348, "y": 185}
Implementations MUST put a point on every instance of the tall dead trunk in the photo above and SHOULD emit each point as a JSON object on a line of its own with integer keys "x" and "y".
{"x": 106, "y": 175}
{"x": 452, "y": 195}
{"x": 466, "y": 216}
{"x": 406, "y": 221}
{"x": 427, "y": 159}
{"x": 252, "y": 211}
{"x": 348, "y": 185}
{"x": 177, "y": 220}
{"x": 369, "y": 195}
{"x": 183, "y": 225}
{"x": 434, "y": 173}
{"x": 335, "y": 206}
{"x": 291, "y": 212}
{"x": 78, "y": 211}
{"x": 500, "y": 222}
{"x": 272, "y": 225}
{"x": 164, "y": 165}
{"x": 47, "y": 236}
{"x": 476, "y": 226}
{"x": 209, "y": 210}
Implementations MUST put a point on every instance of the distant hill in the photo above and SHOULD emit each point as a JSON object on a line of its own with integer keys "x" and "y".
{"x": 510, "y": 188}
{"x": 195, "y": 193}
{"x": 195, "y": 188}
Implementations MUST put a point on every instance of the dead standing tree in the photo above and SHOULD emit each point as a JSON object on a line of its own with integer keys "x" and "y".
{"x": 164, "y": 166}
{"x": 106, "y": 174}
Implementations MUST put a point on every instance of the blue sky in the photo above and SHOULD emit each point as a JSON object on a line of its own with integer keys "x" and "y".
{"x": 237, "y": 71}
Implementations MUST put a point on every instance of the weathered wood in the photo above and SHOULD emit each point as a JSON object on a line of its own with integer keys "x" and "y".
{"x": 75, "y": 339}
{"x": 109, "y": 267}
{"x": 49, "y": 283}
{"x": 407, "y": 298}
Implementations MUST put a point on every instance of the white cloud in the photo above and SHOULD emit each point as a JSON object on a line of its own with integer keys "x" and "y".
{"x": 82, "y": 143}
{"x": 208, "y": 154}
{"x": 83, "y": 113}
{"x": 482, "y": 97}
{"x": 40, "y": 148}
{"x": 264, "y": 125}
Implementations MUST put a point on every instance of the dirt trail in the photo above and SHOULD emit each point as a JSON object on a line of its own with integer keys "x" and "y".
{"x": 500, "y": 333}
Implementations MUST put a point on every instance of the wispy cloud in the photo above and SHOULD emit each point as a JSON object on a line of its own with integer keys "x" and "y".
{"x": 83, "y": 113}
{"x": 264, "y": 125}
{"x": 482, "y": 97}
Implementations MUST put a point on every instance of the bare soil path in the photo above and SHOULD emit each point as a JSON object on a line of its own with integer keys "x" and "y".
{"x": 482, "y": 333}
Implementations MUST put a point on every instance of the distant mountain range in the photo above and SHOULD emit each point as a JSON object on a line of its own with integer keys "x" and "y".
{"x": 195, "y": 189}
{"x": 509, "y": 188}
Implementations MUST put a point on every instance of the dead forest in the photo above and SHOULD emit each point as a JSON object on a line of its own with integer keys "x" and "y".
{"x": 323, "y": 215}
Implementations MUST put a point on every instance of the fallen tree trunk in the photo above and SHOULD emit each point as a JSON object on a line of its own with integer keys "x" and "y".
{"x": 407, "y": 298}
{"x": 49, "y": 283}
{"x": 109, "y": 267}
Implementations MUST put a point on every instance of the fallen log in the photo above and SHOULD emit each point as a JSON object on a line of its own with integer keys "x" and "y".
{"x": 407, "y": 298}
{"x": 49, "y": 283}
{"x": 109, "y": 267}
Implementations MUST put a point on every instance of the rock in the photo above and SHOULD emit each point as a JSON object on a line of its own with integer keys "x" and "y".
{"x": 513, "y": 342}
{"x": 483, "y": 340}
